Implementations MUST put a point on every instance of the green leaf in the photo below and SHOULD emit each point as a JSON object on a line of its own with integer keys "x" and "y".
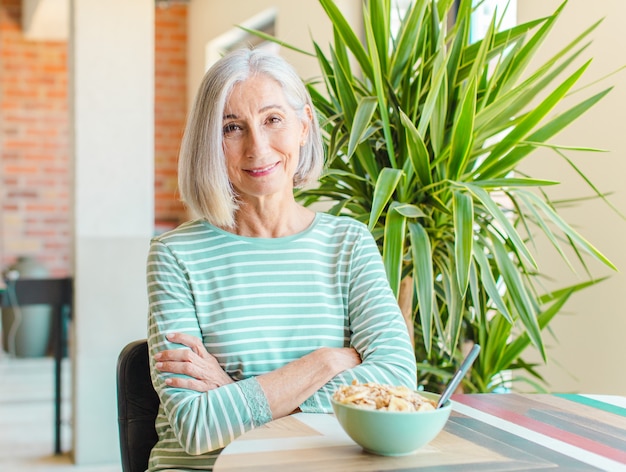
{"x": 550, "y": 129}
{"x": 495, "y": 211}
{"x": 541, "y": 223}
{"x": 503, "y": 39}
{"x": 517, "y": 346}
{"x": 423, "y": 275}
{"x": 408, "y": 210}
{"x": 348, "y": 35}
{"x": 438, "y": 119}
{"x": 439, "y": 75}
{"x": 489, "y": 283}
{"x": 508, "y": 99}
{"x": 344, "y": 88}
{"x": 418, "y": 154}
{"x": 273, "y": 39}
{"x": 385, "y": 186}
{"x": 569, "y": 231}
{"x": 379, "y": 17}
{"x": 556, "y": 294}
{"x": 526, "y": 125}
{"x": 513, "y": 182}
{"x": 520, "y": 297}
{"x": 393, "y": 247}
{"x": 407, "y": 45}
{"x": 463, "y": 235}
{"x": 462, "y": 134}
{"x": 525, "y": 54}
{"x": 456, "y": 311}
{"x": 493, "y": 347}
{"x": 461, "y": 38}
{"x": 364, "y": 112}
{"x": 379, "y": 87}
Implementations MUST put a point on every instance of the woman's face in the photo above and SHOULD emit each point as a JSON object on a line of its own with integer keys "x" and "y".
{"x": 262, "y": 139}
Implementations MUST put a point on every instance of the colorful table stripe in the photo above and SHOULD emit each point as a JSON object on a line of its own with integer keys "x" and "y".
{"x": 594, "y": 402}
{"x": 563, "y": 430}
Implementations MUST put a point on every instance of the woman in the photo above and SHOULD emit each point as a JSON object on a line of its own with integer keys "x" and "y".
{"x": 260, "y": 307}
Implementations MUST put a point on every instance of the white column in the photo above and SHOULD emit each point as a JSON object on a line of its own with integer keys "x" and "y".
{"x": 111, "y": 54}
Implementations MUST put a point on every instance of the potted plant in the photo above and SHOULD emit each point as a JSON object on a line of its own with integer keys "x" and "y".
{"x": 425, "y": 134}
{"x": 25, "y": 328}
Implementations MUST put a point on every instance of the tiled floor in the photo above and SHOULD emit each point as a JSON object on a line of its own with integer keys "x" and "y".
{"x": 26, "y": 418}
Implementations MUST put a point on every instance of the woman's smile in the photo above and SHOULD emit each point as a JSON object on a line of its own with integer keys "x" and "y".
{"x": 262, "y": 171}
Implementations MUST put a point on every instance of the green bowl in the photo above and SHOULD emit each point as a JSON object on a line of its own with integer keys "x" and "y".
{"x": 392, "y": 433}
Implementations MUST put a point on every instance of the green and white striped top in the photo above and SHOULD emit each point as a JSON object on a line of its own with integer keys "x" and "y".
{"x": 257, "y": 304}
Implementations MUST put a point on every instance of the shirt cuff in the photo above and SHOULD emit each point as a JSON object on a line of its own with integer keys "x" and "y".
{"x": 257, "y": 401}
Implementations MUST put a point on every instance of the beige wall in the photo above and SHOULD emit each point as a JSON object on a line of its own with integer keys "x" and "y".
{"x": 297, "y": 22}
{"x": 590, "y": 351}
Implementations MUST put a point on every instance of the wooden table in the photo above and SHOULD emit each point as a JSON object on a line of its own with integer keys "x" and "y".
{"x": 485, "y": 432}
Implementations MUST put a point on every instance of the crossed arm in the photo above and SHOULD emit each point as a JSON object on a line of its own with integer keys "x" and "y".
{"x": 285, "y": 388}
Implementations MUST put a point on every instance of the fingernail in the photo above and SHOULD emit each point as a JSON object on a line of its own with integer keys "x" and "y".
{"x": 157, "y": 356}
{"x": 159, "y": 365}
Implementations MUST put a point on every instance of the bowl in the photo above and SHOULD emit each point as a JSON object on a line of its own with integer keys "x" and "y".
{"x": 392, "y": 433}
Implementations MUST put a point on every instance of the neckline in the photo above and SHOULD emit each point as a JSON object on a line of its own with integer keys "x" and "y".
{"x": 270, "y": 241}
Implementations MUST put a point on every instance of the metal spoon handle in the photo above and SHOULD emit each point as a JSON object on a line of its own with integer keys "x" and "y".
{"x": 458, "y": 376}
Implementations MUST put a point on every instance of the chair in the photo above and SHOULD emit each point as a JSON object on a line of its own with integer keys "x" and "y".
{"x": 59, "y": 294}
{"x": 137, "y": 406}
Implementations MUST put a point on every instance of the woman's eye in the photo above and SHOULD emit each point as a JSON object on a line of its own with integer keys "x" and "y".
{"x": 231, "y": 128}
{"x": 274, "y": 119}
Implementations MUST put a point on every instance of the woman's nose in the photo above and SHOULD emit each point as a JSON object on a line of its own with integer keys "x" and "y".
{"x": 257, "y": 141}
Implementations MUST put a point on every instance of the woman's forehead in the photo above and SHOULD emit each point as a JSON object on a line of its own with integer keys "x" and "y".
{"x": 256, "y": 93}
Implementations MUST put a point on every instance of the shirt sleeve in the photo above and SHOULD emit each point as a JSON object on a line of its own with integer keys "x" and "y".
{"x": 377, "y": 328}
{"x": 201, "y": 421}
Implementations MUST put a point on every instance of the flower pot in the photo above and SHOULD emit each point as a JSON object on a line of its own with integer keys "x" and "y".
{"x": 25, "y": 328}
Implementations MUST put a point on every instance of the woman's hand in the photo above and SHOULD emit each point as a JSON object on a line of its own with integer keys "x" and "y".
{"x": 342, "y": 358}
{"x": 203, "y": 369}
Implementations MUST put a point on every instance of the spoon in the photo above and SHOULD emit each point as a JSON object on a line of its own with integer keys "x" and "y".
{"x": 458, "y": 376}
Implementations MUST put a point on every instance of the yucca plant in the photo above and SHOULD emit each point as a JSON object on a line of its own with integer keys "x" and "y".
{"x": 425, "y": 135}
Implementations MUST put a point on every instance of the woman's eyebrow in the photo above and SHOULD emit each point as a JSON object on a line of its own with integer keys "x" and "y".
{"x": 270, "y": 107}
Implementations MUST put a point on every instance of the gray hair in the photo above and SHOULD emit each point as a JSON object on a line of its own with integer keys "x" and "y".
{"x": 202, "y": 173}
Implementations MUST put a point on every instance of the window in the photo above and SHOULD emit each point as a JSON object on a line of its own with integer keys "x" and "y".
{"x": 236, "y": 38}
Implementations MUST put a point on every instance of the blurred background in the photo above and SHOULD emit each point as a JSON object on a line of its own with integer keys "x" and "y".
{"x": 93, "y": 100}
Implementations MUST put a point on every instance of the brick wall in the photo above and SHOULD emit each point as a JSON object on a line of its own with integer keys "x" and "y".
{"x": 34, "y": 145}
{"x": 35, "y": 167}
{"x": 170, "y": 70}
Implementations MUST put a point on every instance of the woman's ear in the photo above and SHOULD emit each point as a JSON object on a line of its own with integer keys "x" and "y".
{"x": 306, "y": 124}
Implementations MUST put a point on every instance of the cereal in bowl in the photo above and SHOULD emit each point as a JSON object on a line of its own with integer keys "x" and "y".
{"x": 375, "y": 396}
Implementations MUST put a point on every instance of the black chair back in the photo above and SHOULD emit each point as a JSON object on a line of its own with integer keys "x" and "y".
{"x": 137, "y": 407}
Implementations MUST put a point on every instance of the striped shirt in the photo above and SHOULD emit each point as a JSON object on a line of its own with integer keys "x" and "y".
{"x": 257, "y": 304}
